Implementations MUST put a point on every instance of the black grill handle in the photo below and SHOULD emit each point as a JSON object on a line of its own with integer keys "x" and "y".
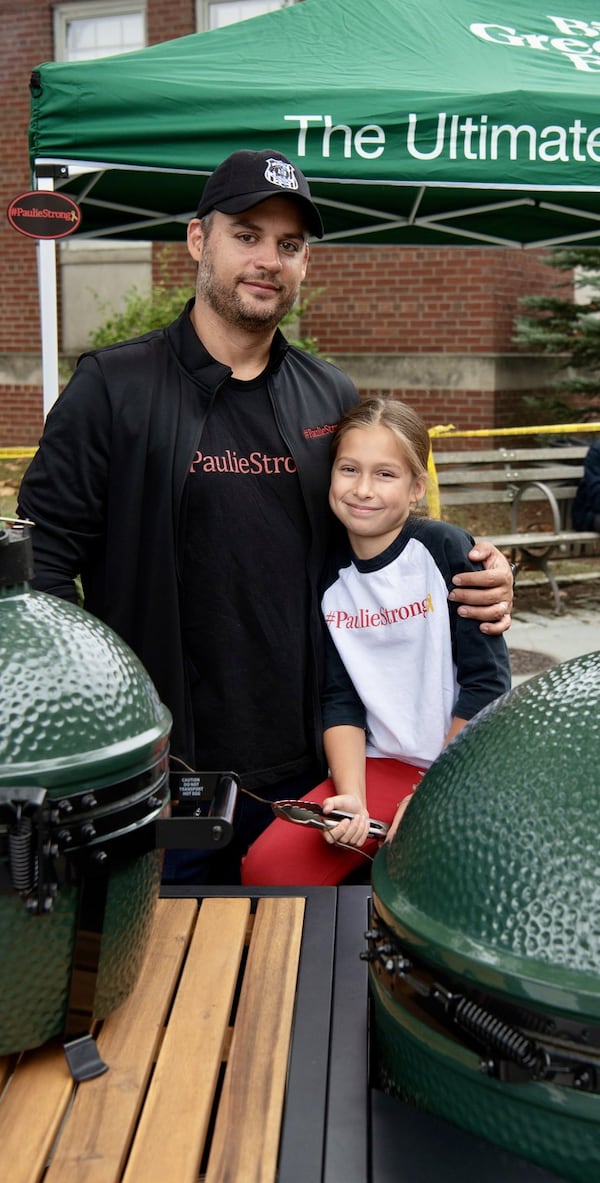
{"x": 202, "y": 832}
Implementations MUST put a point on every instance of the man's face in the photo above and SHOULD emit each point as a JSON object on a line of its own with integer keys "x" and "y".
{"x": 251, "y": 265}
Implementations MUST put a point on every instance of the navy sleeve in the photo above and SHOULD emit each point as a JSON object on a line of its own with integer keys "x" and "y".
{"x": 340, "y": 703}
{"x": 592, "y": 476}
{"x": 586, "y": 502}
{"x": 482, "y": 661}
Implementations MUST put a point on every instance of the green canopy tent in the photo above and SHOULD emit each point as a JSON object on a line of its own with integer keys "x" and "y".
{"x": 416, "y": 121}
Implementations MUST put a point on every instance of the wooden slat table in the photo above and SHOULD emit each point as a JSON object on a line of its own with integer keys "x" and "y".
{"x": 189, "y": 1088}
{"x": 241, "y": 1057}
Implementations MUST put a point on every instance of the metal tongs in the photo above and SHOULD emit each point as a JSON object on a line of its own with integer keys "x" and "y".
{"x": 310, "y": 813}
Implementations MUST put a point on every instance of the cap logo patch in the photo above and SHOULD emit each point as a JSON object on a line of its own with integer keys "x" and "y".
{"x": 281, "y": 173}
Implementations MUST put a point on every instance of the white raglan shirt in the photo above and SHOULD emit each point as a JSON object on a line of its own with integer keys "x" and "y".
{"x": 402, "y": 661}
{"x": 391, "y": 628}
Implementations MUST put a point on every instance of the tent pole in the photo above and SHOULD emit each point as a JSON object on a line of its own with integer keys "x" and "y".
{"x": 48, "y": 294}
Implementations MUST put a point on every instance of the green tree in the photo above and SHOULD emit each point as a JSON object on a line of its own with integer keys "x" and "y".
{"x": 568, "y": 328}
{"x": 143, "y": 312}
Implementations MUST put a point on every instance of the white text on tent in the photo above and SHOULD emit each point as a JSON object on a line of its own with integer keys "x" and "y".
{"x": 481, "y": 140}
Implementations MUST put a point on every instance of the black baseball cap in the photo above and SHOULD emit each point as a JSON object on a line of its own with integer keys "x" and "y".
{"x": 246, "y": 178}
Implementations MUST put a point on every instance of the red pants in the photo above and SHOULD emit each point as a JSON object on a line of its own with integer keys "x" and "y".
{"x": 288, "y": 854}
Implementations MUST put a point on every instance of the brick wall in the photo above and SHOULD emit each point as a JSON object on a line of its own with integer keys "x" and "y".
{"x": 419, "y": 300}
{"x": 173, "y": 18}
{"x": 22, "y": 417}
{"x": 25, "y": 41}
{"x": 469, "y": 408}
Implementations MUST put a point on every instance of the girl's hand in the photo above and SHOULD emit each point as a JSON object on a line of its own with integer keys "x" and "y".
{"x": 352, "y": 831}
{"x": 399, "y": 814}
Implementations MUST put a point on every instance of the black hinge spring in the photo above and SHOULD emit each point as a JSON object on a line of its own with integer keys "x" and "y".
{"x": 22, "y": 860}
{"x": 495, "y": 1034}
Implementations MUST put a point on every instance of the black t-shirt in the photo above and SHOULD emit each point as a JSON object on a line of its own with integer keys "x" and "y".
{"x": 245, "y": 598}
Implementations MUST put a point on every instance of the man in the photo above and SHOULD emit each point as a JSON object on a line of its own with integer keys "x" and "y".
{"x": 585, "y": 510}
{"x": 184, "y": 476}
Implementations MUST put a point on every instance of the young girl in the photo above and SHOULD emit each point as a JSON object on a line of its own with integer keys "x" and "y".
{"x": 404, "y": 671}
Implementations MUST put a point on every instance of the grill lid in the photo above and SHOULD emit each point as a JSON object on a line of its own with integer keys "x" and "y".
{"x": 78, "y": 707}
{"x": 494, "y": 873}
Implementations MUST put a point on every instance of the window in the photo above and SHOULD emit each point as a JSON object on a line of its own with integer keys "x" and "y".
{"x": 97, "y": 273}
{"x": 83, "y": 31}
{"x": 213, "y": 14}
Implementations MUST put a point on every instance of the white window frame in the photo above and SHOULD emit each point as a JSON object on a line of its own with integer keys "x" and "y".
{"x": 203, "y": 7}
{"x": 83, "y": 253}
{"x": 63, "y": 14}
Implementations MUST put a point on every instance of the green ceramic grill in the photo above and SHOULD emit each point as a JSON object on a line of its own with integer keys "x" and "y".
{"x": 484, "y": 945}
{"x": 84, "y": 745}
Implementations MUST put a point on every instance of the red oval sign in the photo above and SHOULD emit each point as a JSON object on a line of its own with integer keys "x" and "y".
{"x": 44, "y": 214}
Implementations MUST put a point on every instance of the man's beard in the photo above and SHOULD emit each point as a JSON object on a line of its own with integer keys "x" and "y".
{"x": 227, "y": 302}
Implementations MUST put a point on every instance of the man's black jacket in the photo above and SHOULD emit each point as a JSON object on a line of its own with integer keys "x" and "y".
{"x": 105, "y": 487}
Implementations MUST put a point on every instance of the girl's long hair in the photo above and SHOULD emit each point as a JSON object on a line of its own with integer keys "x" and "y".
{"x": 386, "y": 411}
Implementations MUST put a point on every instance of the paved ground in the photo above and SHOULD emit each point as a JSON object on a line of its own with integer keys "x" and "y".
{"x": 539, "y": 638}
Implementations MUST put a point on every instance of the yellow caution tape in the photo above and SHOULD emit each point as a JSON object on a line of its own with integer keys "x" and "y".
{"x": 17, "y": 453}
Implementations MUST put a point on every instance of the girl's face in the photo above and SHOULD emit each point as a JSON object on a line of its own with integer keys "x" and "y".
{"x": 372, "y": 488}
